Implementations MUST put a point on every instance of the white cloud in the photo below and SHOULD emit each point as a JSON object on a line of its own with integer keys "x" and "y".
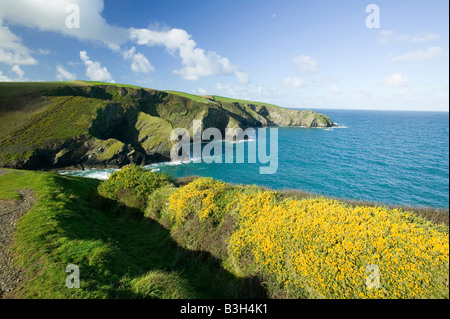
{"x": 71, "y": 63}
{"x": 389, "y": 36}
{"x": 431, "y": 53}
{"x": 197, "y": 62}
{"x": 12, "y": 51}
{"x": 395, "y": 80}
{"x": 306, "y": 63}
{"x": 94, "y": 70}
{"x": 294, "y": 83}
{"x": 335, "y": 89}
{"x": 201, "y": 91}
{"x": 227, "y": 89}
{"x": 366, "y": 92}
{"x": 19, "y": 74}
{"x": 4, "y": 78}
{"x": 242, "y": 77}
{"x": 44, "y": 51}
{"x": 139, "y": 62}
{"x": 250, "y": 91}
{"x": 51, "y": 15}
{"x": 16, "y": 69}
{"x": 234, "y": 91}
{"x": 64, "y": 75}
{"x": 426, "y": 37}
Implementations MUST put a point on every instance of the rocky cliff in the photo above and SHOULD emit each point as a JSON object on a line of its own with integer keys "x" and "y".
{"x": 77, "y": 124}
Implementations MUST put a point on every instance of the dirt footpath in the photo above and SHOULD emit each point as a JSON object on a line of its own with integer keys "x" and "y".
{"x": 10, "y": 212}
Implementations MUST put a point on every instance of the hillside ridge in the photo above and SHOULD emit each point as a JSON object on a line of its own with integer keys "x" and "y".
{"x": 54, "y": 125}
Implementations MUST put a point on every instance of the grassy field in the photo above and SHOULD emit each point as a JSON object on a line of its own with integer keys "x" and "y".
{"x": 142, "y": 235}
{"x": 120, "y": 253}
{"x": 230, "y": 100}
{"x": 190, "y": 96}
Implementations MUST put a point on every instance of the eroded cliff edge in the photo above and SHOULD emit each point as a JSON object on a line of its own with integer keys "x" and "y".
{"x": 54, "y": 125}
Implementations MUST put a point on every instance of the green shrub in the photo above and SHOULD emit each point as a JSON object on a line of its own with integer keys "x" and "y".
{"x": 132, "y": 185}
{"x": 158, "y": 201}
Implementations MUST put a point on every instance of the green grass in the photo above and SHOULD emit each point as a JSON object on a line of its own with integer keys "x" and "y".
{"x": 47, "y": 126}
{"x": 119, "y": 234}
{"x": 154, "y": 130}
{"x": 231, "y": 100}
{"x": 190, "y": 96}
{"x": 39, "y": 85}
{"x": 120, "y": 253}
{"x": 20, "y": 101}
{"x": 111, "y": 147}
{"x": 114, "y": 84}
{"x": 45, "y": 118}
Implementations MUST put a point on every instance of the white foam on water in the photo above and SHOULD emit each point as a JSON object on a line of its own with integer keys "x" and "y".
{"x": 240, "y": 141}
{"x": 340, "y": 126}
{"x": 101, "y": 174}
{"x": 162, "y": 164}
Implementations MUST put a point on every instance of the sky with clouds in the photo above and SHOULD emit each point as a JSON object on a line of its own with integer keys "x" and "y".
{"x": 299, "y": 54}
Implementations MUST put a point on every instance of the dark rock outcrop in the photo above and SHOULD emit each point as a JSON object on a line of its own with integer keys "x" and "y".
{"x": 83, "y": 125}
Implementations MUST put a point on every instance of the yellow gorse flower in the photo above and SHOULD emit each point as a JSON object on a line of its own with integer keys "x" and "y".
{"x": 323, "y": 246}
{"x": 182, "y": 202}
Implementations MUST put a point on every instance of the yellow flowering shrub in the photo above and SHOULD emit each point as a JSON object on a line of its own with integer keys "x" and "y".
{"x": 324, "y": 247}
{"x": 196, "y": 197}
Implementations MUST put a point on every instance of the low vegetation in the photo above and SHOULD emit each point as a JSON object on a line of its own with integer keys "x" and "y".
{"x": 96, "y": 124}
{"x": 141, "y": 234}
{"x": 120, "y": 253}
{"x": 320, "y": 248}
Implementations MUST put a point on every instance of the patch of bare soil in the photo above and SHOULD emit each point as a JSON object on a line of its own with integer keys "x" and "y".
{"x": 10, "y": 212}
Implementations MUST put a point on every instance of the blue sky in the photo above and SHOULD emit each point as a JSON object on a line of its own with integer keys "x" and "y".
{"x": 300, "y": 54}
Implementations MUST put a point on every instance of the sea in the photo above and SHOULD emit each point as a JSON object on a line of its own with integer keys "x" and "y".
{"x": 386, "y": 157}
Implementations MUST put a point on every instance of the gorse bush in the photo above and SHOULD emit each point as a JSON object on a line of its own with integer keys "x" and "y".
{"x": 198, "y": 197}
{"x": 309, "y": 247}
{"x": 324, "y": 247}
{"x": 320, "y": 248}
{"x": 132, "y": 185}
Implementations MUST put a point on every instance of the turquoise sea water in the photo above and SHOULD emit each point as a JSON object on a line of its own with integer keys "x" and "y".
{"x": 381, "y": 156}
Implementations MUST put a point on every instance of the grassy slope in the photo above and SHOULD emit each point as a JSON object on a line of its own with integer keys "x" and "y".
{"x": 32, "y": 115}
{"x": 190, "y": 96}
{"x": 120, "y": 255}
{"x": 153, "y": 130}
{"x": 15, "y": 109}
{"x": 45, "y": 126}
{"x": 230, "y": 100}
{"x": 108, "y": 83}
{"x": 37, "y": 121}
{"x": 42, "y": 115}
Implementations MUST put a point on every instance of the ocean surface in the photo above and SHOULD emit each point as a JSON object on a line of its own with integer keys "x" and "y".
{"x": 380, "y": 156}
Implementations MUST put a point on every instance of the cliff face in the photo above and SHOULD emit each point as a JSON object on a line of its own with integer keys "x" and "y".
{"x": 62, "y": 125}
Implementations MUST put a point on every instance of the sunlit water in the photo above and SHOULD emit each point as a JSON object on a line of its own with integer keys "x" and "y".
{"x": 387, "y": 157}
